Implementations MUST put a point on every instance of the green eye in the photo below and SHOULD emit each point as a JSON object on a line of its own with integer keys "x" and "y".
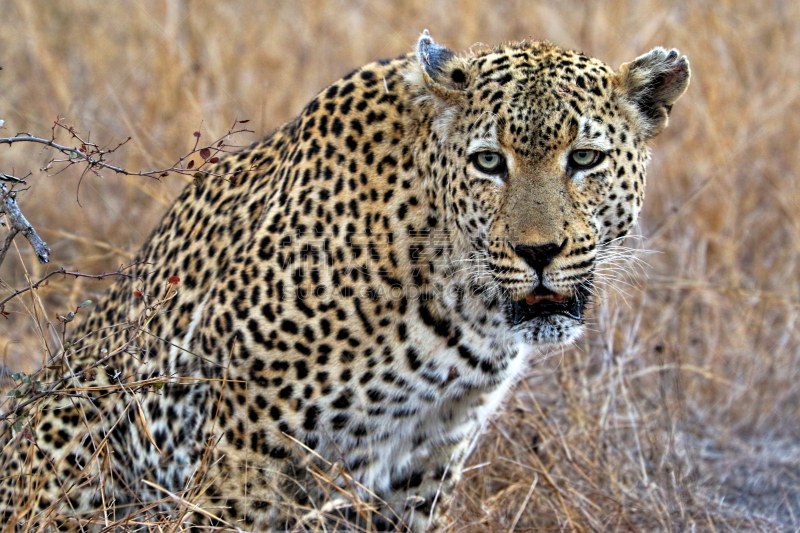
{"x": 489, "y": 162}
{"x": 583, "y": 159}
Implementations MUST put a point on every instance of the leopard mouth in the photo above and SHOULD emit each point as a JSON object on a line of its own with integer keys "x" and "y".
{"x": 543, "y": 303}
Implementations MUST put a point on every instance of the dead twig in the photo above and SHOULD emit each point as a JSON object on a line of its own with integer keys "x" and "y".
{"x": 65, "y": 272}
{"x": 93, "y": 156}
{"x": 56, "y": 386}
{"x": 17, "y": 223}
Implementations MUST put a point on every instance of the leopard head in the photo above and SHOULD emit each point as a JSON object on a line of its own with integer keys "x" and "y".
{"x": 542, "y": 154}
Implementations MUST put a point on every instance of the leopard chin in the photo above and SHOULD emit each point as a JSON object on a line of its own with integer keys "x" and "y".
{"x": 545, "y": 317}
{"x": 551, "y": 330}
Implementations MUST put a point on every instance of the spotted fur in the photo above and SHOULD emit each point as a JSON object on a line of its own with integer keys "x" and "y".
{"x": 356, "y": 302}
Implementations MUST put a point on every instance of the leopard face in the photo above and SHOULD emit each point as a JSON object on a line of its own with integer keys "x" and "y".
{"x": 358, "y": 301}
{"x": 543, "y": 155}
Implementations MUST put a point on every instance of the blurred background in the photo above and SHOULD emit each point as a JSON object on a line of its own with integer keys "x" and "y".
{"x": 679, "y": 411}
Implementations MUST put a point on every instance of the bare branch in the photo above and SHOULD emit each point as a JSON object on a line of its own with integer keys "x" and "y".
{"x": 93, "y": 156}
{"x": 54, "y": 388}
{"x": 17, "y": 223}
{"x": 120, "y": 272}
{"x": 150, "y": 310}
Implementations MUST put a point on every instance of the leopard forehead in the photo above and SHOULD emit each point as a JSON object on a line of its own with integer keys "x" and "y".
{"x": 534, "y": 104}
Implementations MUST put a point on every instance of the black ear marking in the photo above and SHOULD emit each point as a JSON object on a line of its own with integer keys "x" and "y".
{"x": 653, "y": 83}
{"x": 432, "y": 56}
{"x": 445, "y": 74}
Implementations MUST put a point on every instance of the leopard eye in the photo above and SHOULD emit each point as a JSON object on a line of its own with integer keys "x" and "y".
{"x": 583, "y": 159}
{"x": 489, "y": 162}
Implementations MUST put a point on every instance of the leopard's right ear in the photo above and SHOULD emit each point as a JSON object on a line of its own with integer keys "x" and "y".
{"x": 440, "y": 70}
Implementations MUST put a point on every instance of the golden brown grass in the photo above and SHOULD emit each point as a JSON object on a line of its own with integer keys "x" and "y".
{"x": 678, "y": 412}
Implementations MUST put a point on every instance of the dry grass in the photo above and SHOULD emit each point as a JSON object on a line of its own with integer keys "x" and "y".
{"x": 679, "y": 412}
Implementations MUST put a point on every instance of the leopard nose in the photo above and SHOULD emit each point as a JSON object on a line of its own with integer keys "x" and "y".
{"x": 538, "y": 257}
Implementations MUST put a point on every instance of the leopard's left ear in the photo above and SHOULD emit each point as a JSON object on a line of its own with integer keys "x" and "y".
{"x": 653, "y": 83}
{"x": 441, "y": 70}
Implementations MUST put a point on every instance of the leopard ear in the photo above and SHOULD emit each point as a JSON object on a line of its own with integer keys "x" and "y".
{"x": 653, "y": 83}
{"x": 442, "y": 71}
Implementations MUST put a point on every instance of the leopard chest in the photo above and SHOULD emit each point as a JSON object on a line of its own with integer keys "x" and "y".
{"x": 427, "y": 414}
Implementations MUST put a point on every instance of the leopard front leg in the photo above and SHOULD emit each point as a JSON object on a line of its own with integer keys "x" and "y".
{"x": 421, "y": 494}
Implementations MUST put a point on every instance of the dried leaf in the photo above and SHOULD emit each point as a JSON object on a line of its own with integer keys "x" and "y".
{"x": 174, "y": 280}
{"x": 214, "y": 160}
{"x": 191, "y": 164}
{"x": 243, "y": 121}
{"x": 146, "y": 429}
{"x": 205, "y": 153}
{"x": 138, "y": 294}
{"x": 196, "y": 134}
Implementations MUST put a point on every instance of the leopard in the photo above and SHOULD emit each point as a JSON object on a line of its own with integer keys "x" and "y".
{"x": 318, "y": 331}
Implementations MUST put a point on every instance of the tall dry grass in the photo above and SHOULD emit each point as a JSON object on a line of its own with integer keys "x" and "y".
{"x": 678, "y": 412}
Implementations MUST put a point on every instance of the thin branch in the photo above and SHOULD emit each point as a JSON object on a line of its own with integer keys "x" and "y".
{"x": 54, "y": 388}
{"x": 93, "y": 156}
{"x": 120, "y": 272}
{"x": 141, "y": 324}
